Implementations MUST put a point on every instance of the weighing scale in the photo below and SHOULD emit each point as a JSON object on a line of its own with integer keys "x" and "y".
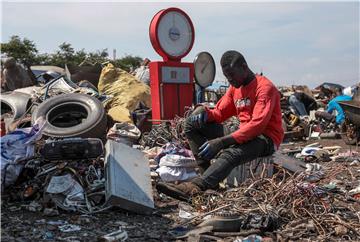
{"x": 204, "y": 66}
{"x": 172, "y": 36}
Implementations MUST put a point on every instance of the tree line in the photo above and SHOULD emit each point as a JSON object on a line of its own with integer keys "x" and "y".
{"x": 25, "y": 52}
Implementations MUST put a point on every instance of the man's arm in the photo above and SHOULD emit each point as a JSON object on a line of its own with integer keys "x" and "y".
{"x": 331, "y": 106}
{"x": 225, "y": 108}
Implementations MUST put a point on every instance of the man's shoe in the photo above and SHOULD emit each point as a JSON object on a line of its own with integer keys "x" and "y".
{"x": 183, "y": 191}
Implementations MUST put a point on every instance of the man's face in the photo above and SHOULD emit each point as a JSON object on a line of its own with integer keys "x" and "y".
{"x": 235, "y": 76}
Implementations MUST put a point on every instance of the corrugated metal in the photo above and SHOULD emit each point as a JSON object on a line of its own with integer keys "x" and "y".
{"x": 242, "y": 172}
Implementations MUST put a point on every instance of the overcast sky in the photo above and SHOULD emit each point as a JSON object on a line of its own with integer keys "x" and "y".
{"x": 292, "y": 43}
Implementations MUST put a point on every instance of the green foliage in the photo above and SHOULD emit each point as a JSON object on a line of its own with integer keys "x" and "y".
{"x": 128, "y": 62}
{"x": 42, "y": 59}
{"x": 25, "y": 52}
{"x": 65, "y": 55}
{"x": 99, "y": 56}
{"x": 80, "y": 56}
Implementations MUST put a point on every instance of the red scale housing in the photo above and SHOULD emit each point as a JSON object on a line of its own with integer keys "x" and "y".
{"x": 170, "y": 99}
{"x": 171, "y": 80}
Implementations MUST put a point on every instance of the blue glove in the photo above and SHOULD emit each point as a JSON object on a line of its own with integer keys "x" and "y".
{"x": 210, "y": 148}
{"x": 199, "y": 120}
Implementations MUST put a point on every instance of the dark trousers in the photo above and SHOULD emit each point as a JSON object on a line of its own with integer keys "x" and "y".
{"x": 228, "y": 158}
{"x": 325, "y": 115}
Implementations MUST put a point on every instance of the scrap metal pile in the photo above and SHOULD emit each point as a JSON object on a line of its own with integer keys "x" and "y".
{"x": 316, "y": 122}
{"x": 74, "y": 184}
{"x": 52, "y": 173}
{"x": 287, "y": 207}
{"x": 62, "y": 143}
{"x": 165, "y": 132}
{"x": 53, "y": 136}
{"x": 54, "y": 159}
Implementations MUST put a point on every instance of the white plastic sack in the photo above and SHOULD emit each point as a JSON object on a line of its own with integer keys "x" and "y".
{"x": 173, "y": 167}
{"x": 17, "y": 146}
{"x": 170, "y": 174}
{"x": 125, "y": 133}
{"x": 174, "y": 160}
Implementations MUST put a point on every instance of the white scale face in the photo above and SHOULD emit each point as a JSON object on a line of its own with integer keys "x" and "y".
{"x": 174, "y": 33}
{"x": 204, "y": 66}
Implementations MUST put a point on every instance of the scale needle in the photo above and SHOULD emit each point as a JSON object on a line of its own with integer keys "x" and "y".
{"x": 203, "y": 69}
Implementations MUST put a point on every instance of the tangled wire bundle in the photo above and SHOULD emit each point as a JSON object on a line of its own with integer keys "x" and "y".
{"x": 303, "y": 209}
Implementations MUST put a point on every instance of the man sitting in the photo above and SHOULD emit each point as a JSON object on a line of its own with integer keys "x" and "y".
{"x": 334, "y": 105}
{"x": 256, "y": 102}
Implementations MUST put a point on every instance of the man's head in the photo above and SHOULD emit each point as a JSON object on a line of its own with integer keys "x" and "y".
{"x": 234, "y": 67}
{"x": 145, "y": 62}
{"x": 337, "y": 91}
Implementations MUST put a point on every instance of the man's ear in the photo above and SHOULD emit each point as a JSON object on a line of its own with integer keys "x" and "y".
{"x": 244, "y": 66}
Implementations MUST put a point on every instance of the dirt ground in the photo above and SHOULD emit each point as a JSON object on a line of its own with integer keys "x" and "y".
{"x": 19, "y": 224}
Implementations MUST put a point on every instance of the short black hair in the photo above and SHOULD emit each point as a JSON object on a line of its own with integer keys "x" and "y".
{"x": 232, "y": 58}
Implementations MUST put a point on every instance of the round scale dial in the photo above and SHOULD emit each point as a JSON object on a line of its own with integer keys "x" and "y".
{"x": 205, "y": 69}
{"x": 172, "y": 33}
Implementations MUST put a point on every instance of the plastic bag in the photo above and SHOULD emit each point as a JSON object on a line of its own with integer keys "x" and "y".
{"x": 15, "y": 147}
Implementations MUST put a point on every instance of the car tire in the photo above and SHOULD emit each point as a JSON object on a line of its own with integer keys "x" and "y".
{"x": 15, "y": 102}
{"x": 72, "y": 115}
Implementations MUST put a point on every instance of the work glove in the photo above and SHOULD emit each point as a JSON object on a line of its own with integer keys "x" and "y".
{"x": 211, "y": 147}
{"x": 199, "y": 120}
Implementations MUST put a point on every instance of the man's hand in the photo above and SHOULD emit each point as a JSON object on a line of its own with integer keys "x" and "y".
{"x": 199, "y": 120}
{"x": 210, "y": 148}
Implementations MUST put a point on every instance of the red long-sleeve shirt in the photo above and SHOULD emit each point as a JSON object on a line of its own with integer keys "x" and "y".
{"x": 257, "y": 106}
